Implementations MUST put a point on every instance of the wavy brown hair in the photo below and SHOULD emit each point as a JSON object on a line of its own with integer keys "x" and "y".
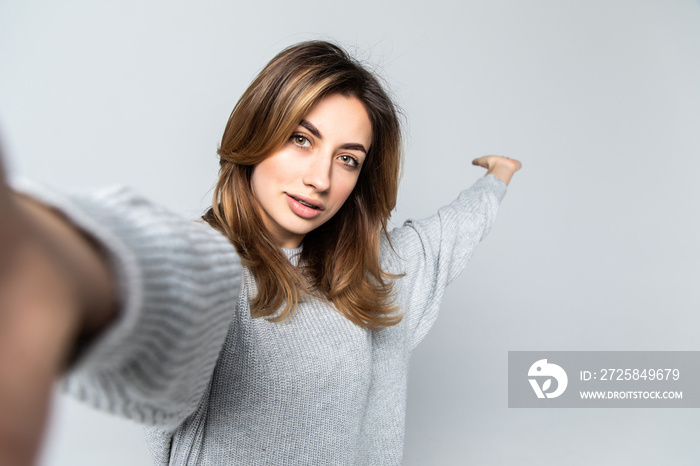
{"x": 340, "y": 259}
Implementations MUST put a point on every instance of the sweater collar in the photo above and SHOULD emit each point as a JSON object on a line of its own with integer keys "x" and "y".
{"x": 293, "y": 254}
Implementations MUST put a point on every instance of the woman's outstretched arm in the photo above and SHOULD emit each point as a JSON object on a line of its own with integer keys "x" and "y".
{"x": 433, "y": 251}
{"x": 152, "y": 293}
{"x": 55, "y": 289}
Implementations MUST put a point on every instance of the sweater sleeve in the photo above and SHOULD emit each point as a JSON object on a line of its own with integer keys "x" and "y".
{"x": 178, "y": 284}
{"x": 431, "y": 252}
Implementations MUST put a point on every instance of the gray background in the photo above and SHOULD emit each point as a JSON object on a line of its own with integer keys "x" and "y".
{"x": 596, "y": 244}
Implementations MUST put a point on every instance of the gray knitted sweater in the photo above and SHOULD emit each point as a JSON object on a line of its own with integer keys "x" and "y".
{"x": 217, "y": 387}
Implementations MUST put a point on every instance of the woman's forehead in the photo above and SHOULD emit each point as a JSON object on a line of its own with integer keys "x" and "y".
{"x": 340, "y": 118}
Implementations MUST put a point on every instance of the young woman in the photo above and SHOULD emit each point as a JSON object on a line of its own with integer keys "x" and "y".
{"x": 279, "y": 330}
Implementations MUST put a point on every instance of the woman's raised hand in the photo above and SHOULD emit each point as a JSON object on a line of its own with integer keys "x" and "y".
{"x": 502, "y": 167}
{"x": 54, "y": 288}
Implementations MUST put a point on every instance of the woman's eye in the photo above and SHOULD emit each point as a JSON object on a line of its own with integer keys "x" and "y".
{"x": 349, "y": 160}
{"x": 300, "y": 140}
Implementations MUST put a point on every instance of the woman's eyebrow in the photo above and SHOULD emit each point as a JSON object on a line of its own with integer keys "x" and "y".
{"x": 351, "y": 146}
{"x": 313, "y": 130}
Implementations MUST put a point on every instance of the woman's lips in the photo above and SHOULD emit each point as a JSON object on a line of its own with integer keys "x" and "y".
{"x": 304, "y": 207}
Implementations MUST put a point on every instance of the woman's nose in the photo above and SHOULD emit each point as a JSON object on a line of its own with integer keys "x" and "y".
{"x": 318, "y": 172}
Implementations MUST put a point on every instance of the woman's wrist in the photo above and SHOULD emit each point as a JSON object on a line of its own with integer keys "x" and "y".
{"x": 38, "y": 324}
{"x": 503, "y": 172}
{"x": 83, "y": 283}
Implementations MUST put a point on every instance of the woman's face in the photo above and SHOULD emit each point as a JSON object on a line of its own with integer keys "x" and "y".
{"x": 304, "y": 183}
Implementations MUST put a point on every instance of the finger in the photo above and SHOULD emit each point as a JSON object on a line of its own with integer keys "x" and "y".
{"x": 485, "y": 161}
{"x": 481, "y": 162}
